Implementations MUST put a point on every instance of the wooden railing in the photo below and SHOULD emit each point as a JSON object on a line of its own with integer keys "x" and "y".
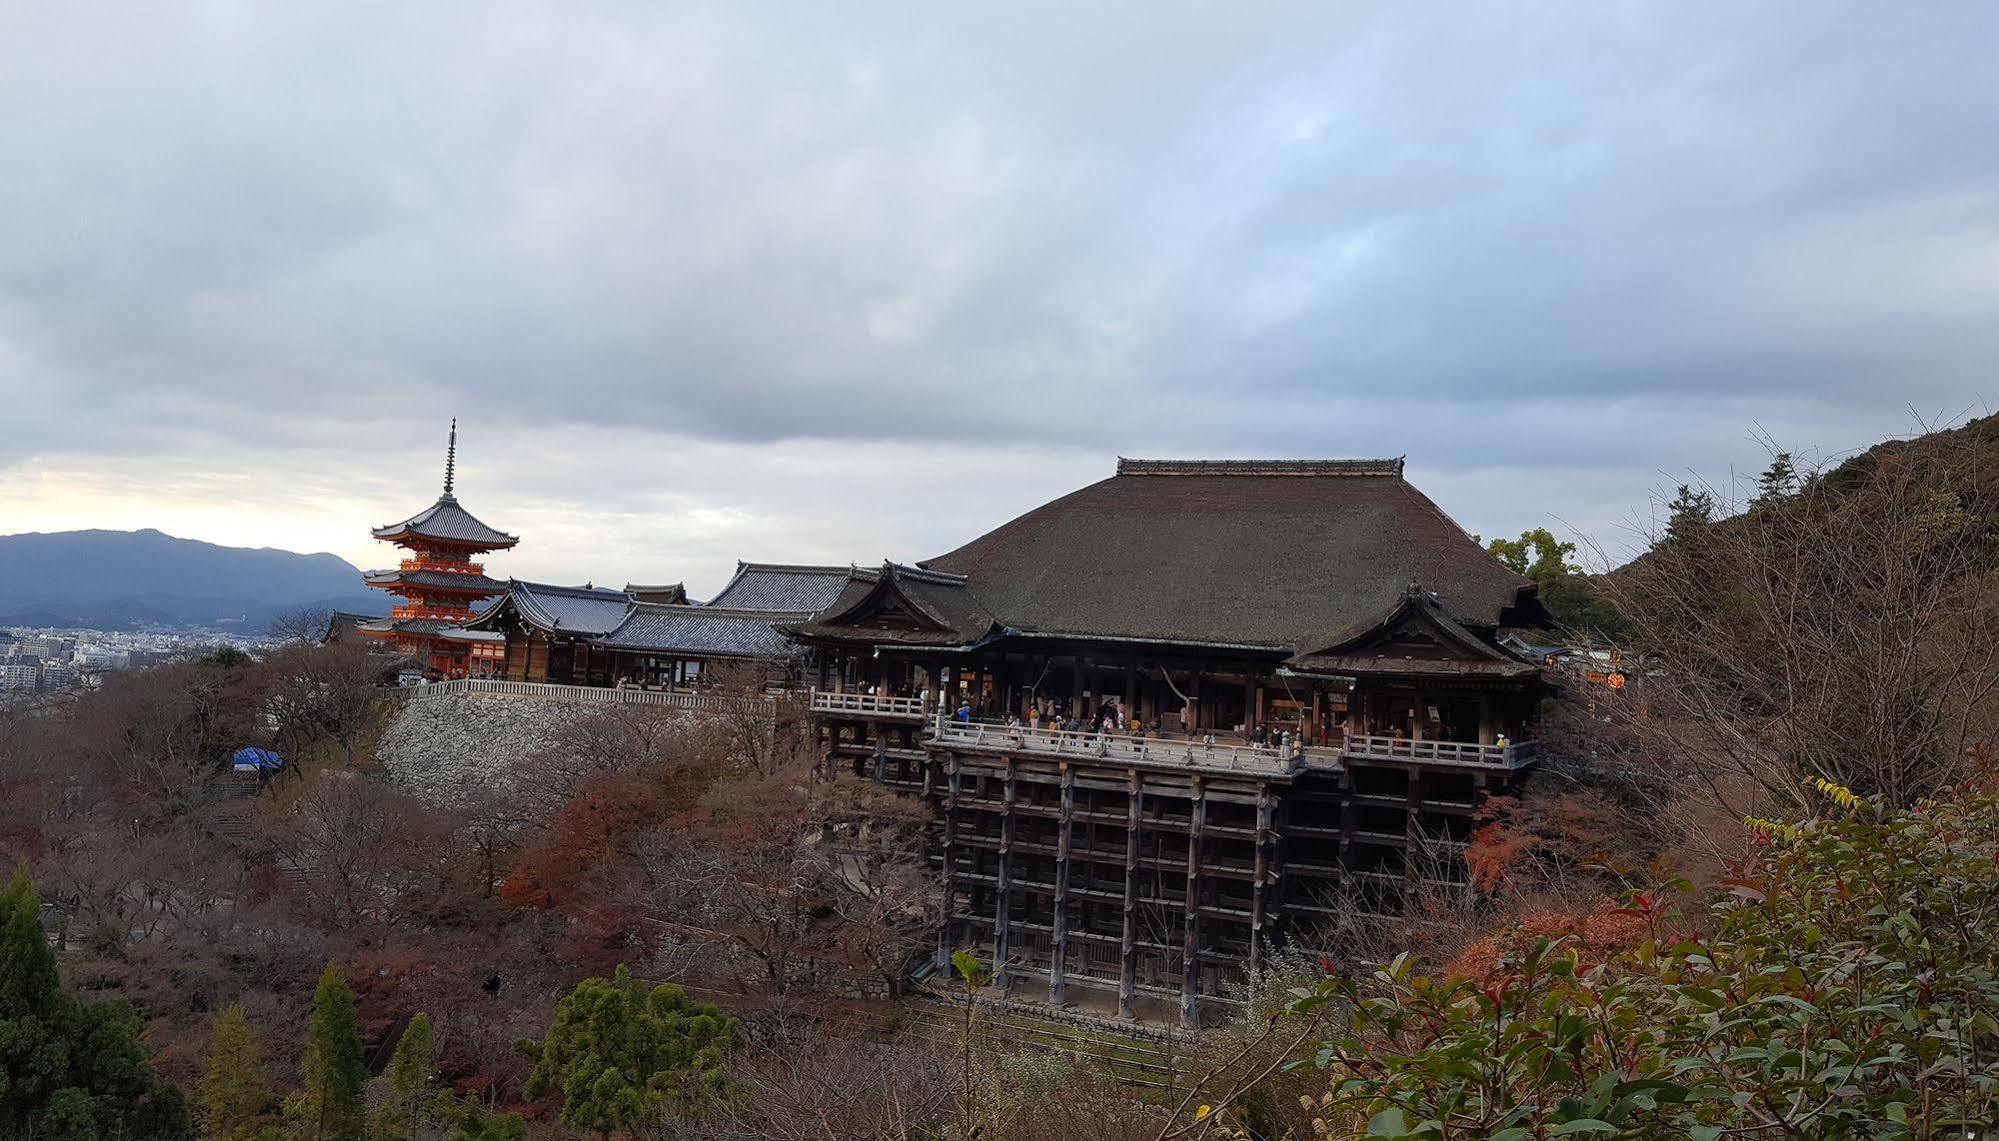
{"x": 699, "y": 702}
{"x": 442, "y": 614}
{"x": 1440, "y": 752}
{"x": 449, "y": 566}
{"x": 1113, "y": 748}
{"x": 868, "y": 704}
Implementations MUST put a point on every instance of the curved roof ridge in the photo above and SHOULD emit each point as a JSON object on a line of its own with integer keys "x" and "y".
{"x": 447, "y": 520}
{"x": 1385, "y": 467}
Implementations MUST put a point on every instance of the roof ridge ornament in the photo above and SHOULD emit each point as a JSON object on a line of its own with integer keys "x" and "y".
{"x": 450, "y": 456}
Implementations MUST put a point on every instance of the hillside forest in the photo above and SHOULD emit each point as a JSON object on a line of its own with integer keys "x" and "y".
{"x": 1753, "y": 893}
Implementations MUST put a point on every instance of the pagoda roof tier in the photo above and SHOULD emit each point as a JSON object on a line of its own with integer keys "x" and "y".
{"x": 436, "y": 581}
{"x": 447, "y": 522}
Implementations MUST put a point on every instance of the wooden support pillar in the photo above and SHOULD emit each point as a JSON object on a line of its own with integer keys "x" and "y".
{"x": 1003, "y": 886}
{"x": 947, "y": 929}
{"x": 1127, "y": 990}
{"x": 1252, "y": 704}
{"x": 1347, "y": 821}
{"x": 1190, "y": 943}
{"x": 1058, "y": 964}
{"x": 1076, "y": 686}
{"x": 1413, "y": 832}
{"x": 1266, "y": 807}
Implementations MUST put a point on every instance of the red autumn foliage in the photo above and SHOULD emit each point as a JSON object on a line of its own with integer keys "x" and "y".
{"x": 1602, "y": 931}
{"x": 1539, "y": 840}
{"x": 606, "y": 810}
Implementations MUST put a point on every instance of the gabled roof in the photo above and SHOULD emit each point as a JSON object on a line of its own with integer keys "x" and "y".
{"x": 904, "y": 605}
{"x": 445, "y": 520}
{"x": 698, "y": 631}
{"x": 342, "y": 625}
{"x": 673, "y": 594}
{"x": 787, "y": 587}
{"x": 1258, "y": 553}
{"x": 1413, "y": 635}
{"x": 438, "y": 580}
{"x": 582, "y": 611}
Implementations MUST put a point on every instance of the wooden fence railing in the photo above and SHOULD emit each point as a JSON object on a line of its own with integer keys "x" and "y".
{"x": 1442, "y": 752}
{"x": 866, "y": 704}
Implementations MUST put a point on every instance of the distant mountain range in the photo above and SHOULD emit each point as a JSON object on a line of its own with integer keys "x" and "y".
{"x": 122, "y": 579}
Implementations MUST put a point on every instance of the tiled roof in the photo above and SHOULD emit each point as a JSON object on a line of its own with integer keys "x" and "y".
{"x": 579, "y": 610}
{"x": 903, "y": 605}
{"x": 699, "y": 631}
{"x": 1232, "y": 552}
{"x": 446, "y": 520}
{"x": 1413, "y": 635}
{"x": 782, "y": 587}
{"x": 468, "y": 583}
{"x": 341, "y": 624}
{"x": 406, "y": 625}
{"x": 675, "y": 593}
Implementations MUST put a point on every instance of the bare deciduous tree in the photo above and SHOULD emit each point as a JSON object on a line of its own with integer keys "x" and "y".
{"x": 1848, "y": 630}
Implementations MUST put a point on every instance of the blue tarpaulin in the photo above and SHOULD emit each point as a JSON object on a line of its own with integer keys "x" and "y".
{"x": 258, "y": 761}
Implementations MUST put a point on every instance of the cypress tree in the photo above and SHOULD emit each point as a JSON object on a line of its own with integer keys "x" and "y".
{"x": 336, "y": 1080}
{"x": 409, "y": 1081}
{"x": 233, "y": 1093}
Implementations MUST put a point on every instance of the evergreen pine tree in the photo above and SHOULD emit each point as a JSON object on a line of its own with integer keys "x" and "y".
{"x": 1778, "y": 480}
{"x": 409, "y": 1083}
{"x": 624, "y": 1056}
{"x": 335, "y": 1104}
{"x": 69, "y": 1069}
{"x": 233, "y": 1093}
{"x": 1688, "y": 514}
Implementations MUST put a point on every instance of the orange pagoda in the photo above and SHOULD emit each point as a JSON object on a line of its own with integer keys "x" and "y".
{"x": 439, "y": 585}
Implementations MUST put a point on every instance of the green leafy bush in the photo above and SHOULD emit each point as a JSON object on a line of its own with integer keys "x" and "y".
{"x": 1844, "y": 986}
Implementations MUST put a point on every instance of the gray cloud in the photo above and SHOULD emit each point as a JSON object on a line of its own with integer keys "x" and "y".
{"x": 949, "y": 262}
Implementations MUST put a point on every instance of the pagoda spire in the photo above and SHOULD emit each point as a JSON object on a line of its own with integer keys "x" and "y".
{"x": 450, "y": 456}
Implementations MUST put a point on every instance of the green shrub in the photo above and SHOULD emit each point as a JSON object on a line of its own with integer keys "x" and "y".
{"x": 1843, "y": 987}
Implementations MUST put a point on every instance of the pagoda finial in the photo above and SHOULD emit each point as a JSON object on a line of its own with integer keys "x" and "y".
{"x": 450, "y": 455}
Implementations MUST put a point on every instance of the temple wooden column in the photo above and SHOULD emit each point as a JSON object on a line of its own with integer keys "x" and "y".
{"x": 1266, "y": 807}
{"x": 1190, "y": 945}
{"x": 1003, "y": 884}
{"x": 1058, "y": 966}
{"x": 1127, "y": 990}
{"x": 948, "y": 929}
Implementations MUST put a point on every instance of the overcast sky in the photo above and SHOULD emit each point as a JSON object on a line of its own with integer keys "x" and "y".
{"x": 834, "y": 282}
